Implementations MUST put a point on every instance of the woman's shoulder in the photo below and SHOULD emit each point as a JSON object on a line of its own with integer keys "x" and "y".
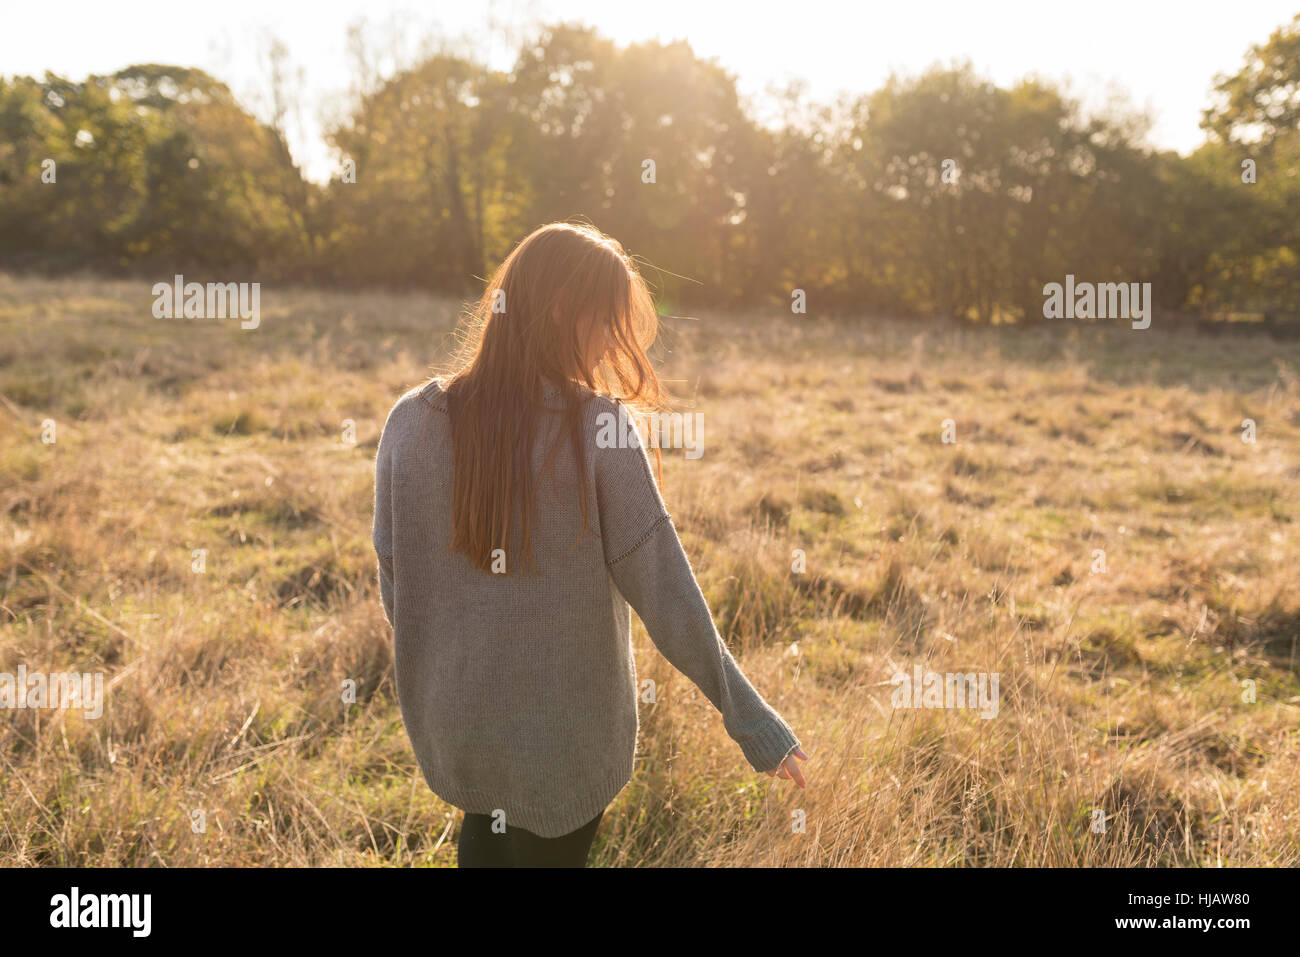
{"x": 602, "y": 412}
{"x": 599, "y": 409}
{"x": 593, "y": 405}
{"x": 413, "y": 406}
{"x": 431, "y": 393}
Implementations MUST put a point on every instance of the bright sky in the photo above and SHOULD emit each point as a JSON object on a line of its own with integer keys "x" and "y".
{"x": 1161, "y": 56}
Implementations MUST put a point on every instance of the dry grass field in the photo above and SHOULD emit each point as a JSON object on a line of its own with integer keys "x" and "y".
{"x": 1125, "y": 689}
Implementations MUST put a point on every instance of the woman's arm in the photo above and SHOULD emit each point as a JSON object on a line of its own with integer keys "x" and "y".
{"x": 651, "y": 570}
{"x": 382, "y": 529}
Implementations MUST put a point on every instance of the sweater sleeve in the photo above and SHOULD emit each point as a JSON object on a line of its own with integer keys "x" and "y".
{"x": 382, "y": 528}
{"x": 650, "y": 569}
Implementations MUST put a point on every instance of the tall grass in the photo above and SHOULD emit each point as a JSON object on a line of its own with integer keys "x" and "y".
{"x": 225, "y": 739}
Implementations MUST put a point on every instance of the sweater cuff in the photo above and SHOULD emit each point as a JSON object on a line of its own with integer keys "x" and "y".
{"x": 767, "y": 749}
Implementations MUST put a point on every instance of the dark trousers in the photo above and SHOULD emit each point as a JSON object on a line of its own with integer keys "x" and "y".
{"x": 479, "y": 846}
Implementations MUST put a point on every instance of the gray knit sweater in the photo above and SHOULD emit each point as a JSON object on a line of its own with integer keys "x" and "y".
{"x": 520, "y": 693}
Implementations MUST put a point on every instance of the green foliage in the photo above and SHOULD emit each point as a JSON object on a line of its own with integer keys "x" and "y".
{"x": 940, "y": 194}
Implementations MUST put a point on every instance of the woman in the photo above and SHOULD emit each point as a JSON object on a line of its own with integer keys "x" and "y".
{"x": 515, "y": 519}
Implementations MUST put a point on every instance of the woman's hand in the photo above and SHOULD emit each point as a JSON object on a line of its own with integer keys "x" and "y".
{"x": 790, "y": 768}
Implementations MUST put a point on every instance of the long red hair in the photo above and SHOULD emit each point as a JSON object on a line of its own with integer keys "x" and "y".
{"x": 568, "y": 306}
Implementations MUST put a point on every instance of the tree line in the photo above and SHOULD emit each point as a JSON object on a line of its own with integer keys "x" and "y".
{"x": 937, "y": 194}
